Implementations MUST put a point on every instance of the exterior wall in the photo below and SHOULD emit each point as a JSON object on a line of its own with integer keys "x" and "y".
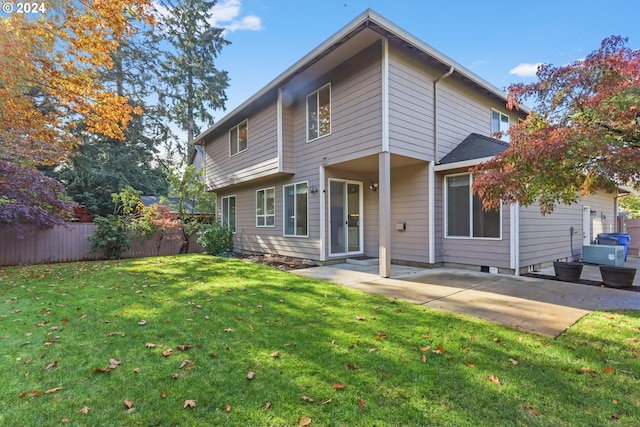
{"x": 356, "y": 114}
{"x": 462, "y": 111}
{"x": 260, "y": 158}
{"x": 548, "y": 238}
{"x": 270, "y": 240}
{"x": 410, "y": 106}
{"x": 410, "y": 204}
{"x": 469, "y": 251}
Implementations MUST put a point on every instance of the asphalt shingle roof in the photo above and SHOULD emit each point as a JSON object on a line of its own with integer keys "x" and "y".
{"x": 475, "y": 146}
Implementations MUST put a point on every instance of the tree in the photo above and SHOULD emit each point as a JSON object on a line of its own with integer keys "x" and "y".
{"x": 193, "y": 204}
{"x": 631, "y": 204}
{"x": 582, "y": 135}
{"x": 51, "y": 64}
{"x": 29, "y": 197}
{"x": 192, "y": 84}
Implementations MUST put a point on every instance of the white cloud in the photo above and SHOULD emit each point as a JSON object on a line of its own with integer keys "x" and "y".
{"x": 226, "y": 14}
{"x": 525, "y": 70}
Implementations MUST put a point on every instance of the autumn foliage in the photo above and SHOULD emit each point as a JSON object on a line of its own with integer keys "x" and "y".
{"x": 51, "y": 62}
{"x": 582, "y": 135}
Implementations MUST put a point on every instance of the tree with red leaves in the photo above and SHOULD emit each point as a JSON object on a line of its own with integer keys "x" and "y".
{"x": 582, "y": 135}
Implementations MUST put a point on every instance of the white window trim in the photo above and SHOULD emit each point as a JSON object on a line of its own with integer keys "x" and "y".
{"x": 237, "y": 142}
{"x": 318, "y": 111}
{"x": 264, "y": 207}
{"x": 505, "y": 136}
{"x": 284, "y": 210}
{"x": 235, "y": 219}
{"x": 446, "y": 206}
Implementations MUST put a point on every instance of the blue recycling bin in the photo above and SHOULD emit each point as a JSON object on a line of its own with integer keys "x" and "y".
{"x": 623, "y": 240}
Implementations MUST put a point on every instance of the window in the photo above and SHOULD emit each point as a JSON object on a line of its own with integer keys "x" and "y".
{"x": 500, "y": 123}
{"x": 464, "y": 214}
{"x": 265, "y": 207}
{"x": 238, "y": 138}
{"x": 319, "y": 113}
{"x": 229, "y": 212}
{"x": 295, "y": 209}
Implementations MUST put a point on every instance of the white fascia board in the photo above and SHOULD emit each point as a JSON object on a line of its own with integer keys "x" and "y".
{"x": 462, "y": 164}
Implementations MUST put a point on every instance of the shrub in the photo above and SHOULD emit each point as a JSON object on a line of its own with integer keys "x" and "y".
{"x": 111, "y": 237}
{"x": 215, "y": 238}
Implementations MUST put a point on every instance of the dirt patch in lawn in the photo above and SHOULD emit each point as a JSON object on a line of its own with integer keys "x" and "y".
{"x": 279, "y": 262}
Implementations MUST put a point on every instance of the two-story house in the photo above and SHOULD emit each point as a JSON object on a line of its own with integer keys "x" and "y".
{"x": 362, "y": 149}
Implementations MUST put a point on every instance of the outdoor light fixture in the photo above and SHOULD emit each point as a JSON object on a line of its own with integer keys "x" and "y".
{"x": 313, "y": 189}
{"x": 374, "y": 186}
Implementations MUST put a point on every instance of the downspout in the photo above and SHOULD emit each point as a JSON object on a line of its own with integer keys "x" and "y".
{"x": 432, "y": 174}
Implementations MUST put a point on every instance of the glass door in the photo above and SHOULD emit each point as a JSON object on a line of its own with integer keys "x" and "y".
{"x": 345, "y": 216}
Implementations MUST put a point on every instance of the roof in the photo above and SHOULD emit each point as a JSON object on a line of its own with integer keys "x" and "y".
{"x": 171, "y": 202}
{"x": 474, "y": 147}
{"x": 384, "y": 28}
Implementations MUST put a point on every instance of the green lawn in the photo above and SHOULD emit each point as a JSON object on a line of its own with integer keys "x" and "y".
{"x": 78, "y": 340}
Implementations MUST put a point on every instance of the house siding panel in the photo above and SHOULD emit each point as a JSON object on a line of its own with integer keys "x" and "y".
{"x": 356, "y": 114}
{"x": 548, "y": 238}
{"x": 410, "y": 204}
{"x": 260, "y": 158}
{"x": 410, "y": 106}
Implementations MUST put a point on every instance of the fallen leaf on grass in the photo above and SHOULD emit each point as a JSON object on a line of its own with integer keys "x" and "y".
{"x": 494, "y": 380}
{"x": 163, "y": 394}
{"x": 142, "y": 322}
{"x": 52, "y": 390}
{"x": 176, "y": 376}
{"x": 513, "y": 361}
{"x": 304, "y": 421}
{"x": 150, "y": 345}
{"x": 308, "y": 399}
{"x": 184, "y": 363}
{"x": 471, "y": 364}
{"x": 167, "y": 352}
{"x": 136, "y": 371}
{"x": 84, "y": 410}
{"x": 267, "y": 405}
{"x": 128, "y": 403}
{"x": 35, "y": 393}
{"x": 184, "y": 347}
{"x": 338, "y": 386}
{"x": 424, "y": 358}
{"x": 113, "y": 363}
{"x": 102, "y": 370}
{"x": 360, "y": 318}
{"x": 189, "y": 403}
{"x": 361, "y": 403}
{"x": 250, "y": 375}
{"x": 351, "y": 366}
{"x": 64, "y": 420}
{"x": 51, "y": 365}
{"x": 23, "y": 394}
{"x": 609, "y": 370}
{"x": 531, "y": 410}
{"x": 275, "y": 354}
{"x": 227, "y": 408}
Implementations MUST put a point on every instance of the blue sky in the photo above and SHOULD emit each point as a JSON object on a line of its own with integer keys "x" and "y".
{"x": 489, "y": 37}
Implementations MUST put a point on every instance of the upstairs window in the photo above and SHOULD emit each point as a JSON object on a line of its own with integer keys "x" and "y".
{"x": 319, "y": 113}
{"x": 265, "y": 207}
{"x": 500, "y": 123}
{"x": 238, "y": 138}
{"x": 464, "y": 214}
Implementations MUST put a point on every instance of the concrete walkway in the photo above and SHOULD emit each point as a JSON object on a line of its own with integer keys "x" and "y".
{"x": 540, "y": 306}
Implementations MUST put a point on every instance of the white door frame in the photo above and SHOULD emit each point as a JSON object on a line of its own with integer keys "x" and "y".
{"x": 343, "y": 219}
{"x": 586, "y": 225}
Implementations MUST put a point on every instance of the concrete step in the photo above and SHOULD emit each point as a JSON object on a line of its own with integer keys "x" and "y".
{"x": 363, "y": 260}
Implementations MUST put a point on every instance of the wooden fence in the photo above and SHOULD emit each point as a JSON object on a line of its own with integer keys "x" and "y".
{"x": 71, "y": 243}
{"x": 633, "y": 228}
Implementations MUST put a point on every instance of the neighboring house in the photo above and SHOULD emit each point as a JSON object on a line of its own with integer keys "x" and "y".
{"x": 362, "y": 148}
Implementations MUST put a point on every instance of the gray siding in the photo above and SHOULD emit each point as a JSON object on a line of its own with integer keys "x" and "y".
{"x": 260, "y": 158}
{"x": 410, "y": 204}
{"x": 356, "y": 114}
{"x": 548, "y": 238}
{"x": 410, "y": 106}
